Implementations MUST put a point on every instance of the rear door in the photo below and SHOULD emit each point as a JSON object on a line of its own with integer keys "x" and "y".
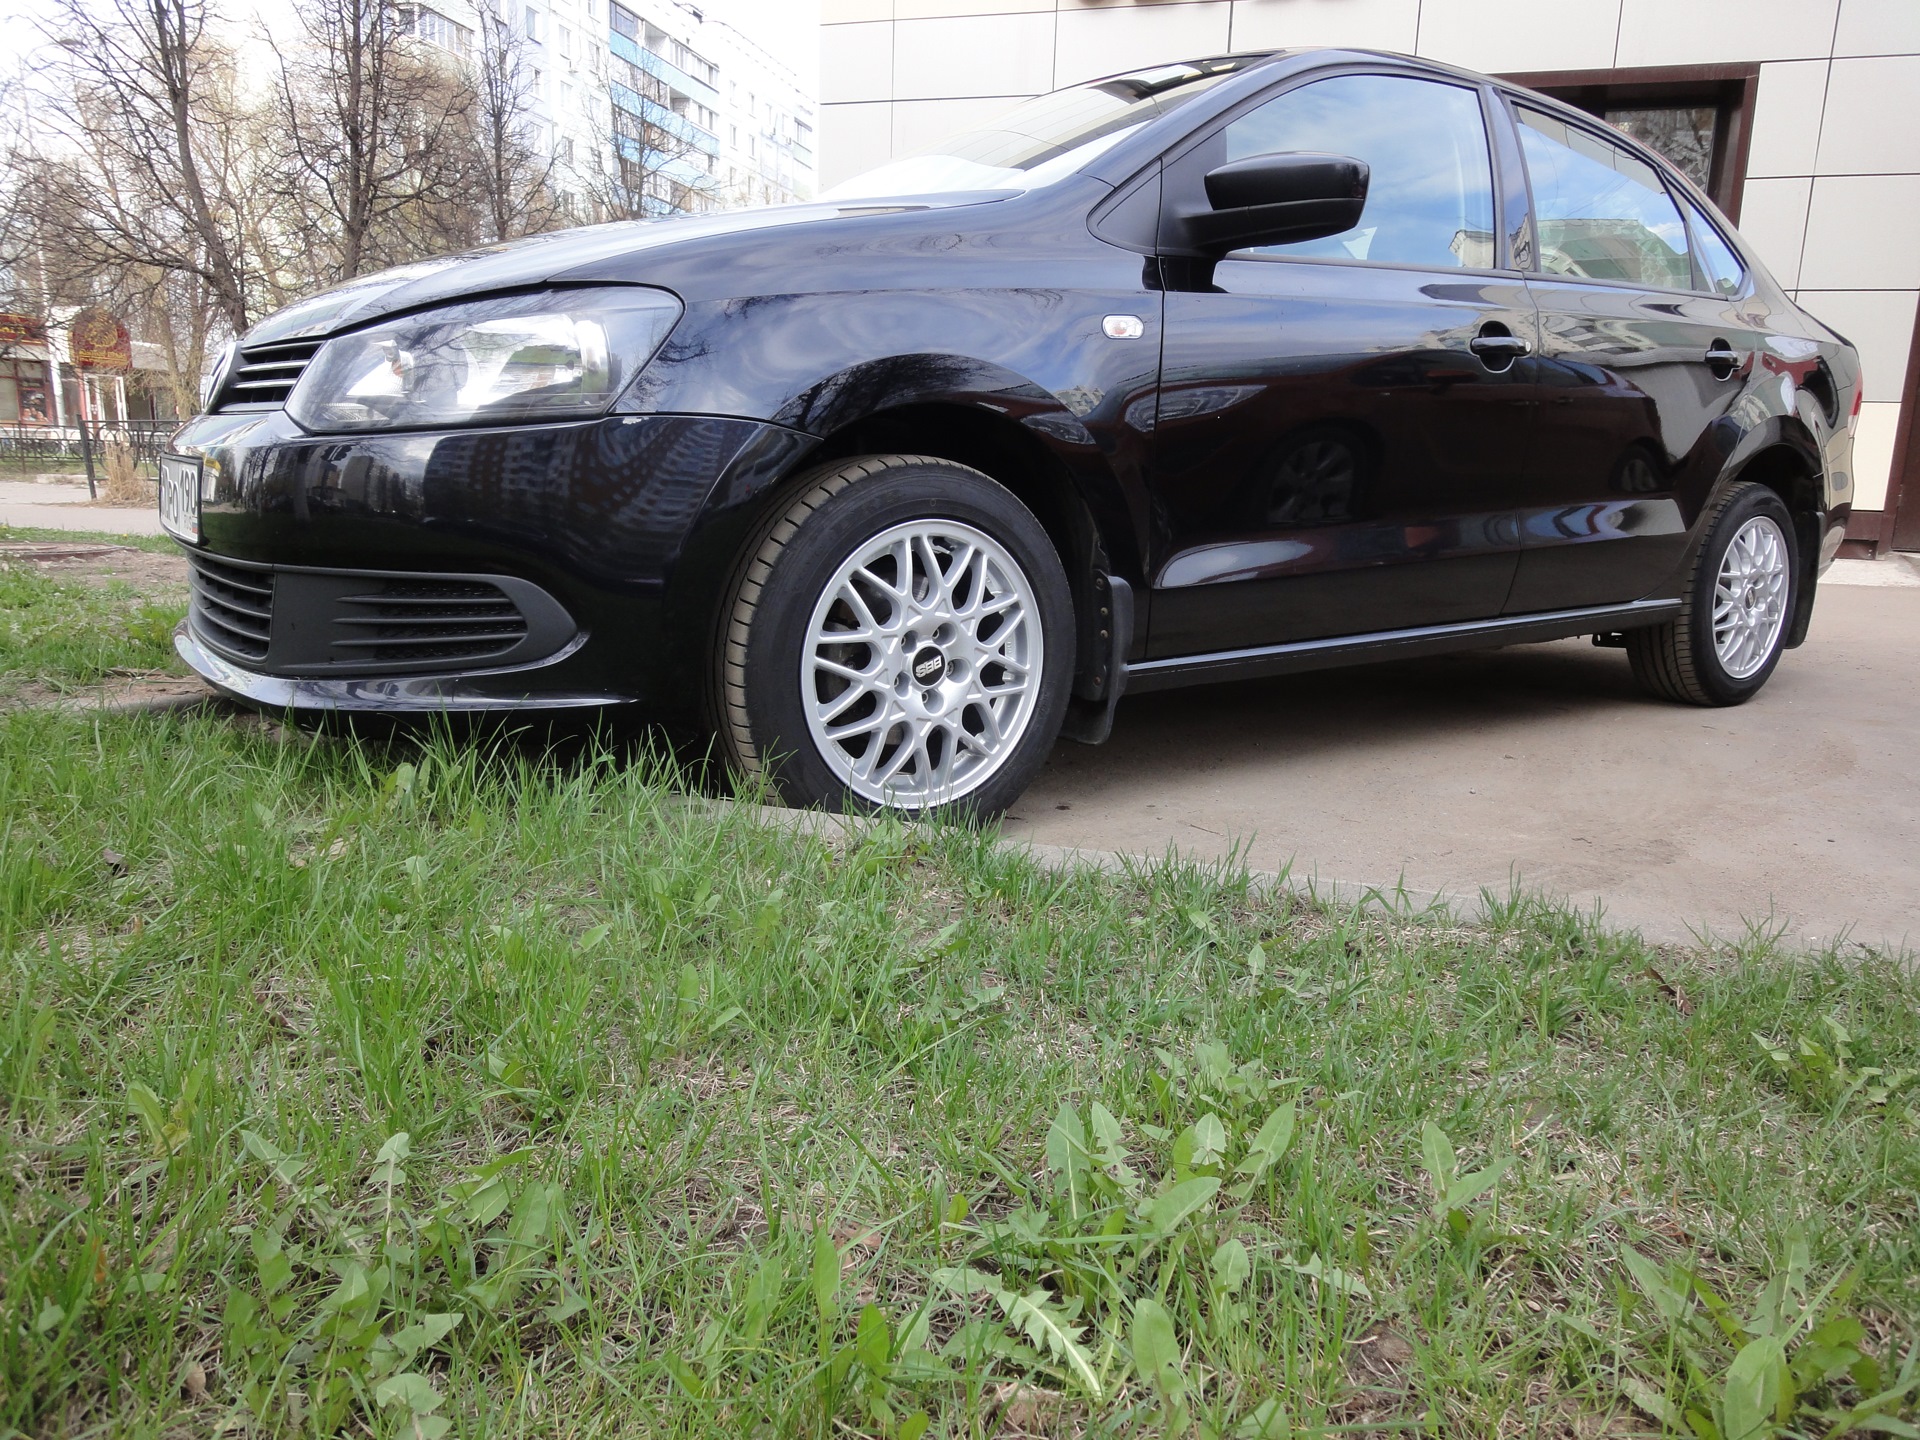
{"x": 1643, "y": 350}
{"x": 1343, "y": 422}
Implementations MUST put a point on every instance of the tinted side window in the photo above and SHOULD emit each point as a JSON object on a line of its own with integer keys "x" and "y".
{"x": 1600, "y": 211}
{"x": 1721, "y": 266}
{"x": 1430, "y": 198}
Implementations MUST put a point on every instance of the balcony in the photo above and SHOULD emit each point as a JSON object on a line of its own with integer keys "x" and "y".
{"x": 673, "y": 75}
{"x": 657, "y": 114}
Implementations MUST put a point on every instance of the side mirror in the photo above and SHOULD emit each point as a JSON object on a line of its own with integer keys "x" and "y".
{"x": 1277, "y": 199}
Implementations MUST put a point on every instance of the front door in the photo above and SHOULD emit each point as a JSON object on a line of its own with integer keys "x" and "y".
{"x": 1343, "y": 422}
{"x": 1644, "y": 346}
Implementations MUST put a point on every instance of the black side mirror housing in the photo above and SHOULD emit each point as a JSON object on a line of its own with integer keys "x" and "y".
{"x": 1277, "y": 199}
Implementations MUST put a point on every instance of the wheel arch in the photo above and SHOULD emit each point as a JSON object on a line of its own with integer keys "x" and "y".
{"x": 1013, "y": 454}
{"x": 967, "y": 411}
{"x": 1786, "y": 460}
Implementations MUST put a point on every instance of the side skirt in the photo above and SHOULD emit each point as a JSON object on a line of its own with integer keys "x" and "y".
{"x": 1337, "y": 650}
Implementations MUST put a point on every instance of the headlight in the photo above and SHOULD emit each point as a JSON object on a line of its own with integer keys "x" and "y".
{"x": 559, "y": 355}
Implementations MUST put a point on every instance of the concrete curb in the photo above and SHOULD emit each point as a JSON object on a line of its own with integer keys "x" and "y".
{"x": 1394, "y": 900}
{"x": 107, "y": 704}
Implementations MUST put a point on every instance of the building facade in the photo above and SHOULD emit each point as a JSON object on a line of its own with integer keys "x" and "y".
{"x": 1800, "y": 117}
{"x": 665, "y": 97}
{"x": 43, "y": 391}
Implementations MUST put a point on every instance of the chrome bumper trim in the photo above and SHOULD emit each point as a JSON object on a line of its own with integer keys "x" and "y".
{"x": 386, "y": 693}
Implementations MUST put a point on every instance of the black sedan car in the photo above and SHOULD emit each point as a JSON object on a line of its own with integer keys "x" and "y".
{"x": 1233, "y": 367}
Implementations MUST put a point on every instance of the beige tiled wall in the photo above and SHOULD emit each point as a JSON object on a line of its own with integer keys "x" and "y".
{"x": 1832, "y": 197}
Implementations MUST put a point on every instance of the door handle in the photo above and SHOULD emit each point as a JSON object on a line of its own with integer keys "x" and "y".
{"x": 1499, "y": 351}
{"x": 1722, "y": 360}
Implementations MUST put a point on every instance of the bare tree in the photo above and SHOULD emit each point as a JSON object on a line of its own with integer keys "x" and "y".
{"x": 142, "y": 178}
{"x": 512, "y": 169}
{"x": 643, "y": 168}
{"x": 138, "y": 174}
{"x": 372, "y": 129}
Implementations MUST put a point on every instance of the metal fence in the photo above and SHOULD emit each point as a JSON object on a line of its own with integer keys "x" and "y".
{"x": 29, "y": 449}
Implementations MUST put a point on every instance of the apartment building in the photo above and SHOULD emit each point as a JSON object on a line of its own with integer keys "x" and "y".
{"x": 1800, "y": 117}
{"x": 668, "y": 96}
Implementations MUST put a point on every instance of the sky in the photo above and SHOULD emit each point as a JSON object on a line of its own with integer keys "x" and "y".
{"x": 790, "y": 29}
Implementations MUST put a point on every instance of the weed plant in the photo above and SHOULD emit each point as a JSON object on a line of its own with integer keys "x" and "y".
{"x": 464, "y": 1089}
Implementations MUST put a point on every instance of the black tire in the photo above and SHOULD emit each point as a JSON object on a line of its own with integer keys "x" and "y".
{"x": 761, "y": 710}
{"x": 1678, "y": 660}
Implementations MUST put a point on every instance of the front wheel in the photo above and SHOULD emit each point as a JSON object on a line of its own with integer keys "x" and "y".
{"x": 899, "y": 637}
{"x": 1732, "y": 625}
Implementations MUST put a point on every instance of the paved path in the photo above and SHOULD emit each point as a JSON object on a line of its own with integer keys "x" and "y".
{"x": 65, "y": 507}
{"x": 1543, "y": 764}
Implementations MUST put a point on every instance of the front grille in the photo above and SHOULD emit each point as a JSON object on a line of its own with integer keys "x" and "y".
{"x": 427, "y": 620}
{"x": 304, "y": 620}
{"x": 232, "y": 606}
{"x": 263, "y": 375}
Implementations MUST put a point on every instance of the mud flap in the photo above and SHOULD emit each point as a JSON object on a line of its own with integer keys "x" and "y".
{"x": 1089, "y": 718}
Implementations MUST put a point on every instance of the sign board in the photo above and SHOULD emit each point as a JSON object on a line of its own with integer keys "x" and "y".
{"x": 22, "y": 330}
{"x": 97, "y": 341}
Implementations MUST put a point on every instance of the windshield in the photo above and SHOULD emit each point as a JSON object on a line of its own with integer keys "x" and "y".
{"x": 1045, "y": 138}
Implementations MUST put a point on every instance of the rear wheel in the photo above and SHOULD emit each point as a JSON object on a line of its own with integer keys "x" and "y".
{"x": 1724, "y": 643}
{"x": 899, "y": 637}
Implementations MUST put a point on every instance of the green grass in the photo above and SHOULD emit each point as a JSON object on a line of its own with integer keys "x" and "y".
{"x": 459, "y": 1090}
{"x": 152, "y": 544}
{"x": 63, "y": 631}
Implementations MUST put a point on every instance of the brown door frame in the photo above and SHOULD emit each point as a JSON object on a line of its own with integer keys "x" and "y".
{"x": 1900, "y": 515}
{"x": 1896, "y": 524}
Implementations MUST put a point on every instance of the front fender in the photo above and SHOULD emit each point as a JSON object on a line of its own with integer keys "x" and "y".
{"x": 1037, "y": 358}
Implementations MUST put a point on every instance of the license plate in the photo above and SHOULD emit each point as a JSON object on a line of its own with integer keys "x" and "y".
{"x": 180, "y": 497}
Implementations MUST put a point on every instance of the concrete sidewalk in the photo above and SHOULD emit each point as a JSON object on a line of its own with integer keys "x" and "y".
{"x": 64, "y": 506}
{"x": 1542, "y": 765}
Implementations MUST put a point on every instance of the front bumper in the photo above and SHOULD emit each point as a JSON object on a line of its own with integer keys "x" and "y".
{"x": 610, "y": 537}
{"x": 387, "y": 694}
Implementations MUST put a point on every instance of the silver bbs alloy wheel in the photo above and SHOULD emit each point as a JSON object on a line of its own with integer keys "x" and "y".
{"x": 1750, "y": 597}
{"x": 922, "y": 663}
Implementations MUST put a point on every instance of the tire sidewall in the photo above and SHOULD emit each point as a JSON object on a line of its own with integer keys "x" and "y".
{"x": 1754, "y": 502}
{"x": 926, "y": 490}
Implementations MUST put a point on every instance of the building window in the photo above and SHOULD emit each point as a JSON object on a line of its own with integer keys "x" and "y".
{"x": 624, "y": 21}
{"x": 1699, "y": 117}
{"x": 436, "y": 29}
{"x": 532, "y": 24}
{"x": 24, "y": 398}
{"x": 1682, "y": 133}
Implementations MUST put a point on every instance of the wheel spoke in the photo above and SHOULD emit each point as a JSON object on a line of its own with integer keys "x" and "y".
{"x": 845, "y": 672}
{"x": 958, "y": 564}
{"x": 850, "y": 592}
{"x": 833, "y": 709}
{"x": 839, "y": 734}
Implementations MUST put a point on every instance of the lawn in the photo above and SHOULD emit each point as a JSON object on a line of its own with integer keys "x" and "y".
{"x": 61, "y": 630}
{"x": 431, "y": 1087}
{"x": 349, "y": 1087}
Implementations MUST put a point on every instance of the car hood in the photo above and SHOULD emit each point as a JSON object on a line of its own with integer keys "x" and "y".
{"x": 542, "y": 259}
